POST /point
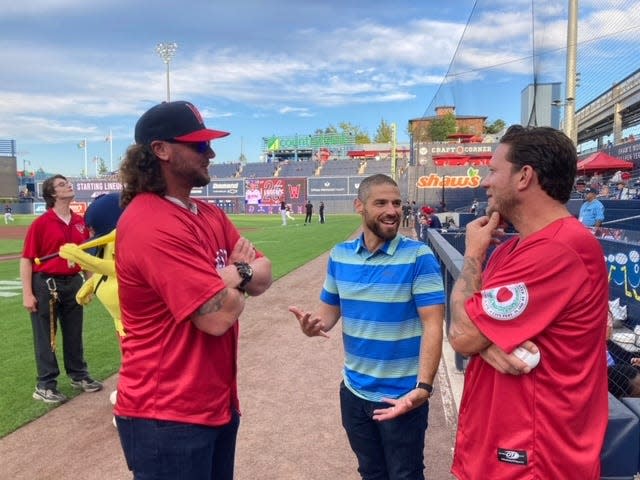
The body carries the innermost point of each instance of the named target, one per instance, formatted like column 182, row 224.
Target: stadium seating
column 337, row 168
column 619, row 457
column 378, row 166
column 304, row 168
column 258, row 170
column 223, row 170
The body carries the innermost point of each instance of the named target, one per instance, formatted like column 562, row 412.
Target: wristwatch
column 425, row 386
column 246, row 273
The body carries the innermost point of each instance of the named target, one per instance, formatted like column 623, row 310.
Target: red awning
column 602, row 161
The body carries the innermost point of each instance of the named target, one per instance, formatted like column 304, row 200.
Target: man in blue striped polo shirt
column 388, row 290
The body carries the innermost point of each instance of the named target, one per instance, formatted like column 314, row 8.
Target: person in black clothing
column 406, row 214
column 321, row 212
column 309, row 211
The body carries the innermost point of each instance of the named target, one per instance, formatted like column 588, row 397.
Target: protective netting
column 509, row 45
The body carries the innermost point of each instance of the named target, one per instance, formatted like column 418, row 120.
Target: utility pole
column 570, row 127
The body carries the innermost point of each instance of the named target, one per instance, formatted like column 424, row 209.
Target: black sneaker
column 49, row 395
column 87, row 385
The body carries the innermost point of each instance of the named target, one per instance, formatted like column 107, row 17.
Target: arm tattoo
column 471, row 277
column 469, row 282
column 214, row 304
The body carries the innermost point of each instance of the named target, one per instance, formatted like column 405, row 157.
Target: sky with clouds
column 74, row 70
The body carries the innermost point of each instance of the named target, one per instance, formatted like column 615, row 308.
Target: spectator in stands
column 622, row 192
column 450, row 225
column 308, row 208
column 592, row 210
column 535, row 291
column 580, row 187
column 432, row 220
column 474, row 207
column 624, row 381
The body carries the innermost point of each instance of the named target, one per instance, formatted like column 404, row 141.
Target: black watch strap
column 246, row 273
column 425, row 386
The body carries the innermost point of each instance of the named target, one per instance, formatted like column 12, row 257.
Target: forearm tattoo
column 470, row 277
column 469, row 282
column 214, row 304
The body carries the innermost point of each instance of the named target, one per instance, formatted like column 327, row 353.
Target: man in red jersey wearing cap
column 546, row 290
column 183, row 271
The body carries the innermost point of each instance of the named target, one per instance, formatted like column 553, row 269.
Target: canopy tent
column 602, row 161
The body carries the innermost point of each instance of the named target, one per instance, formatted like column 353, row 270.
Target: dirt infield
column 290, row 428
column 13, row 232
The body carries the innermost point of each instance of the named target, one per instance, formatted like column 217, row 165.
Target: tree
column 346, row 128
column 102, row 167
column 384, row 134
column 359, row 135
column 495, row 127
column 441, row 127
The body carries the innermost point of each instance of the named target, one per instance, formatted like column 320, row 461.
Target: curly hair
column 140, row 172
column 549, row 152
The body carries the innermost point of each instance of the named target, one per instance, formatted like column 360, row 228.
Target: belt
column 61, row 278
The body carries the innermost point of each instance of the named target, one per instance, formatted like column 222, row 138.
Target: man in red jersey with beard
column 544, row 289
column 183, row 272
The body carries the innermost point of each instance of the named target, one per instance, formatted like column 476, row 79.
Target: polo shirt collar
column 389, row 247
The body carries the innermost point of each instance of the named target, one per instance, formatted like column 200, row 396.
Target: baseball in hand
column 531, row 359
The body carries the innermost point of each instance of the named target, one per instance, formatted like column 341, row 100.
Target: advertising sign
column 328, row 186
column 263, row 195
column 226, row 187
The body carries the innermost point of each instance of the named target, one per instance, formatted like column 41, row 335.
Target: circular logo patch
column 506, row 302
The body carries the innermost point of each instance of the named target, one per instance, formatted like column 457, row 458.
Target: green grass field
column 287, row 247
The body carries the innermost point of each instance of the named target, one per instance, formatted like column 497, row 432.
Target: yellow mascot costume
column 101, row 218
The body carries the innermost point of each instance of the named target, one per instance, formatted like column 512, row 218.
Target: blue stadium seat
column 619, row 457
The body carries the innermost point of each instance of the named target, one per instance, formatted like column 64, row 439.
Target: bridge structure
column 610, row 113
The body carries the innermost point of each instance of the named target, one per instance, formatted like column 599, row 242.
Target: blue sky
column 73, row 69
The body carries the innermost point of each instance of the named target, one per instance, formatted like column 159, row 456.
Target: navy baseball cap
column 174, row 121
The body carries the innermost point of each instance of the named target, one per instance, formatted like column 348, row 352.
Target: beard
column 505, row 207
column 201, row 180
column 383, row 231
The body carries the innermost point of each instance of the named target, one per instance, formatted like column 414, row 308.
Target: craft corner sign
column 471, row 180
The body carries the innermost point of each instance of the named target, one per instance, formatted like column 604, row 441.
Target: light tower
column 166, row 52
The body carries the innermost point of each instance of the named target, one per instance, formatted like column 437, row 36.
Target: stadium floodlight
column 166, row 52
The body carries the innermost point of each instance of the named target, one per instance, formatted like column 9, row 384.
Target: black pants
column 70, row 318
column 307, row 218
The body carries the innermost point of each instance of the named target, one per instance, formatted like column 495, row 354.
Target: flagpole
column 110, row 151
column 86, row 165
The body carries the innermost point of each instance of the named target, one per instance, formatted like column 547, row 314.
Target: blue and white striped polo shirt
column 378, row 295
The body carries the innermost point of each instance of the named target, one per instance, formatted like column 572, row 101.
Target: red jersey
column 47, row 234
column 166, row 261
column 550, row 288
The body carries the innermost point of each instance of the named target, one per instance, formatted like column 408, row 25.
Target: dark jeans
column 161, row 450
column 387, row 450
column 70, row 318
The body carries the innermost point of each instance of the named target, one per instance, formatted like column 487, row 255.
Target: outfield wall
column 457, row 186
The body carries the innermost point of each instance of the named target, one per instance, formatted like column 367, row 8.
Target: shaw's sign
column 433, row 180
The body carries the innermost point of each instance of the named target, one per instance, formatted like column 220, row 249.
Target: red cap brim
column 203, row 135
